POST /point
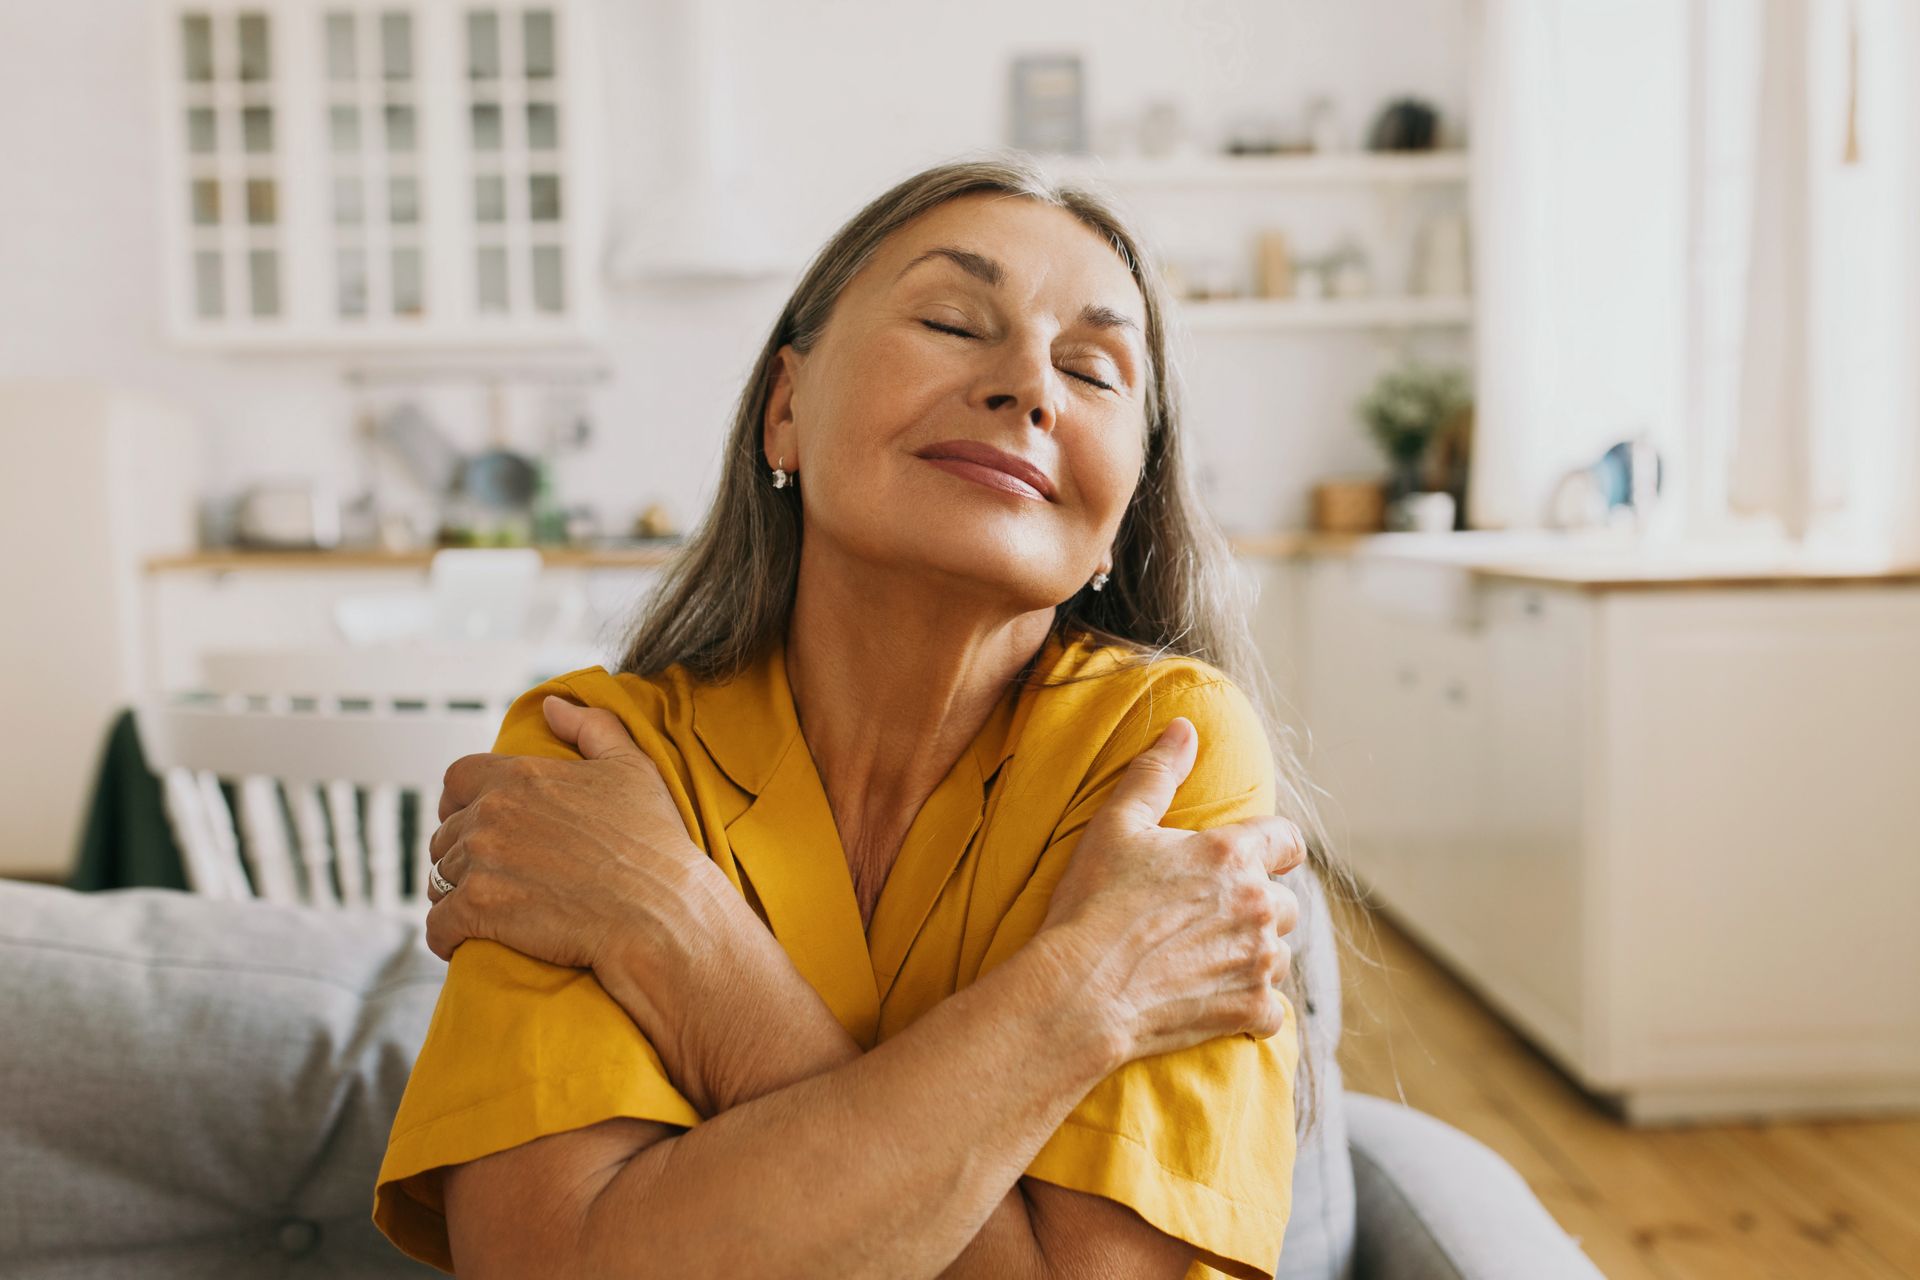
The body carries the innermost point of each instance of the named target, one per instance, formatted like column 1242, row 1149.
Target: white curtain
column 1580, row 229
column 1804, row 418
column 1773, row 470
column 1745, row 289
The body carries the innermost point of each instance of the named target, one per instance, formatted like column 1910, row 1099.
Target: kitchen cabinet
column 1669, row 834
column 340, row 175
column 1272, row 583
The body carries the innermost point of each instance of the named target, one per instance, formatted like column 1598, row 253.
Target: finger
column 1146, row 789
column 466, row 778
column 448, row 833
column 1283, row 847
column 453, row 868
column 1283, row 968
column 595, row 731
column 446, row 926
column 1274, row 1006
column 1286, row 907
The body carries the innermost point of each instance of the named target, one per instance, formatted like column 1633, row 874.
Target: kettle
column 300, row 515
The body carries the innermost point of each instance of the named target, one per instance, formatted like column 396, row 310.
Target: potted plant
column 1405, row 411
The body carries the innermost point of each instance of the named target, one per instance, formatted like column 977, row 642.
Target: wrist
column 670, row 914
column 658, row 963
column 1093, row 1025
column 707, row 983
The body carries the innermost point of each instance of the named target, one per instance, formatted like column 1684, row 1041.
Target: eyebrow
column 985, row 269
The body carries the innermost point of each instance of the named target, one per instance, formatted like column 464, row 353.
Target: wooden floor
column 1797, row 1201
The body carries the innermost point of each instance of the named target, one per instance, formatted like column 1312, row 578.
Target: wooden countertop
column 637, row 556
column 1596, row 578
column 1482, row 555
column 1596, row 563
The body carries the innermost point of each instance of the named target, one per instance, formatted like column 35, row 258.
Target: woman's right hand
column 1180, row 933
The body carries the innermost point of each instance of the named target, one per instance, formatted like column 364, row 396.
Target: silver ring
column 440, row 882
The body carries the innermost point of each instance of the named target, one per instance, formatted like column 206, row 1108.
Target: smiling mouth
column 992, row 468
column 990, row 477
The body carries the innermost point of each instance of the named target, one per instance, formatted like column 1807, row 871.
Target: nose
column 1024, row 381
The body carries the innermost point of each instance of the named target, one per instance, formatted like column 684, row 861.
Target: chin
column 1028, row 575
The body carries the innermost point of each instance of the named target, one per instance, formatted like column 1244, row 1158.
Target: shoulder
column 651, row 707
column 1118, row 703
column 1115, row 693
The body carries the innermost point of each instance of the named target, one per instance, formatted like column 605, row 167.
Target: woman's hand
column 1181, row 931
column 588, row 863
column 567, row 861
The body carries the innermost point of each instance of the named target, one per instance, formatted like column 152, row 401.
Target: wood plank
column 1789, row 1200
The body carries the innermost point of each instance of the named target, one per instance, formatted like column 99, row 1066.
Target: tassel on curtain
column 1850, row 152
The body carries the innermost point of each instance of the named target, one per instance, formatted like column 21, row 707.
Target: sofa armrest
column 1435, row 1204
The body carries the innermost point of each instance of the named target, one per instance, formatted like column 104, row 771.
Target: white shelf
column 1359, row 168
column 1235, row 314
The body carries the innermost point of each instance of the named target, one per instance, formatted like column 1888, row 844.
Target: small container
column 1349, row 506
column 1350, row 277
column 1275, row 265
column 1422, row 513
column 1324, row 129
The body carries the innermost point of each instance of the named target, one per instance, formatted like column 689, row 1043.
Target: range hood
column 701, row 221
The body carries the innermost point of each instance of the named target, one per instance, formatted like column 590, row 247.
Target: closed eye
column 962, row 333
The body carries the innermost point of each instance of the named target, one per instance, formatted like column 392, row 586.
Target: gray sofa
column 194, row 1089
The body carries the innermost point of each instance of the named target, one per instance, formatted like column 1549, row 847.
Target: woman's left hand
column 563, row 860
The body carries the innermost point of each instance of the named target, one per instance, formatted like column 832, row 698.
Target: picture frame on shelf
column 1047, row 110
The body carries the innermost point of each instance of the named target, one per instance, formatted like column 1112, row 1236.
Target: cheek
column 874, row 398
column 1107, row 477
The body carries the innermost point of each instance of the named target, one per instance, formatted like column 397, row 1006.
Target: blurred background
column 1552, row 364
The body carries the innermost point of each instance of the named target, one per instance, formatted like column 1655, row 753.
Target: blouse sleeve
column 1199, row 1142
column 517, row 1049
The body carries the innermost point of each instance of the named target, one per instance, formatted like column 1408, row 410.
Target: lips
column 993, row 467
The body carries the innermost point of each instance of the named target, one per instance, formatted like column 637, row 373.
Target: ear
column 778, row 437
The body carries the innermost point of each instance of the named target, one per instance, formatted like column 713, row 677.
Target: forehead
column 1040, row 248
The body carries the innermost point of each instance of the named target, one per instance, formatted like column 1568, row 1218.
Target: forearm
column 887, row 1164
column 777, row 1031
column 770, row 1030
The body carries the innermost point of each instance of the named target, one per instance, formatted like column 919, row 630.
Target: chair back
column 415, row 671
column 317, row 784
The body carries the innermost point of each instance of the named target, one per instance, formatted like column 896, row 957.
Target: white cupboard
column 340, row 174
column 1673, row 835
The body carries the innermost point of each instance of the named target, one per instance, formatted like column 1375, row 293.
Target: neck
column 892, row 678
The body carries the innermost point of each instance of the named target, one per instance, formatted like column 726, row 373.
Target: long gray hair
column 1173, row 588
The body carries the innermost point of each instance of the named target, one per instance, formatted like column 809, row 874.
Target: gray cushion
column 1439, row 1205
column 194, row 1088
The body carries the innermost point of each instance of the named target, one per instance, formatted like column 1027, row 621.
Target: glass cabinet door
column 359, row 172
column 375, row 166
column 232, row 194
column 516, row 208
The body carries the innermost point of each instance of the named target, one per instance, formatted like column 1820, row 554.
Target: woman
column 905, row 905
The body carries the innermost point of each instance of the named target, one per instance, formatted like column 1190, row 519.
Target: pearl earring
column 780, row 478
column 1099, row 580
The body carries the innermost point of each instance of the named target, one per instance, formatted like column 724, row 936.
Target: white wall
column 92, row 484
column 835, row 100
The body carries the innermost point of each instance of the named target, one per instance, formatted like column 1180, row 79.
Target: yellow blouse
column 1199, row 1142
